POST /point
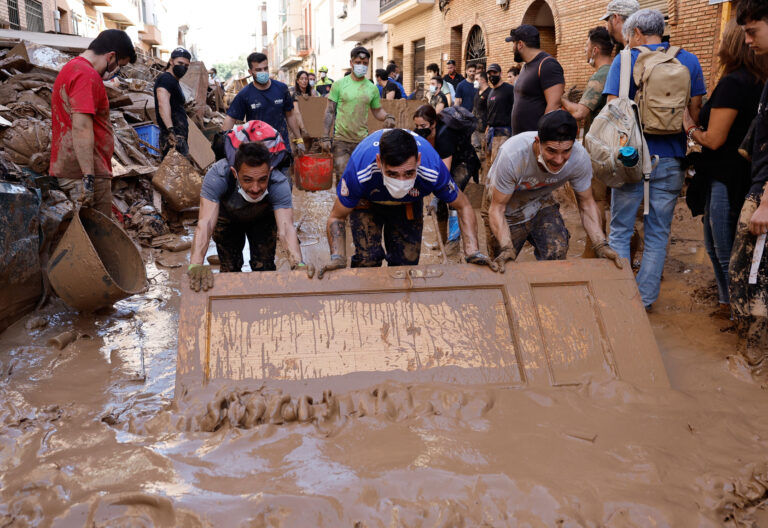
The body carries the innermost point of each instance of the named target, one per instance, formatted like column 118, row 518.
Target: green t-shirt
column 593, row 97
column 353, row 99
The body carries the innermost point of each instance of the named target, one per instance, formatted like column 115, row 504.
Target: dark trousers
column 546, row 232
column 399, row 225
column 230, row 236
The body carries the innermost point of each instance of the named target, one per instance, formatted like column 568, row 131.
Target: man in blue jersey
column 382, row 190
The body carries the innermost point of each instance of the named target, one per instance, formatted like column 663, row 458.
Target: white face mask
column 247, row 198
column 477, row 85
column 359, row 70
column 541, row 161
column 398, row 188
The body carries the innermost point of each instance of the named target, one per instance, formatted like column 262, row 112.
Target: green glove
column 200, row 277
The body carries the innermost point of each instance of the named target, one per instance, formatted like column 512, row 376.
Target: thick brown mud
column 90, row 434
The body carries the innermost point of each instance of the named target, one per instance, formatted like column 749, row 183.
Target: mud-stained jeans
column 749, row 302
column 546, row 232
column 230, row 236
column 102, row 193
column 342, row 150
column 400, row 226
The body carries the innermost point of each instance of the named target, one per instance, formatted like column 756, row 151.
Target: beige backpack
column 663, row 90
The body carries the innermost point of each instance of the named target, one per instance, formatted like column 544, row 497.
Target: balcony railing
column 387, row 4
column 303, row 44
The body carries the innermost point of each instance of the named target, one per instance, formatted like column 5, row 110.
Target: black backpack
column 464, row 123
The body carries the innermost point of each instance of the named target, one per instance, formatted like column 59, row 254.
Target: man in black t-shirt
column 541, row 82
column 451, row 75
column 387, row 89
column 169, row 102
column 501, row 102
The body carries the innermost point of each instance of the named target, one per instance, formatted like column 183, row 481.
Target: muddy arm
column 336, row 229
column 82, row 140
column 499, row 226
column 286, row 231
column 590, row 216
column 328, row 119
column 209, row 213
column 467, row 223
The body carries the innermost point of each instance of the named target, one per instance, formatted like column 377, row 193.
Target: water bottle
column 628, row 156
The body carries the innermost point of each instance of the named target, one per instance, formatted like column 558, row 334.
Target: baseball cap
column 621, row 7
column 523, row 33
column 493, row 67
column 360, row 51
column 557, row 125
column 181, row 52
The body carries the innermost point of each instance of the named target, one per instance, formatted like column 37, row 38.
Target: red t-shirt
column 80, row 89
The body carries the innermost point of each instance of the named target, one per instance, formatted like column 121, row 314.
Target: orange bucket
column 315, row 172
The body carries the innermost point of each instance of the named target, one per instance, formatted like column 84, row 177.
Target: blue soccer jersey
column 363, row 179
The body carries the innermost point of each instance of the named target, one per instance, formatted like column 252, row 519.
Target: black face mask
column 423, row 132
column 494, row 79
column 180, row 70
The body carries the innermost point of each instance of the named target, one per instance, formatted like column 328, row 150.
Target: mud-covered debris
column 36, row 322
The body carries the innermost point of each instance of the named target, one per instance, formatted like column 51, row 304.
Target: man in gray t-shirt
column 521, row 208
column 250, row 200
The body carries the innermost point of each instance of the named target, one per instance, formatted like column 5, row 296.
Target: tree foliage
column 237, row 67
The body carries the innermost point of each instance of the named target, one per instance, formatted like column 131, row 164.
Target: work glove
column 337, row 262
column 325, row 145
column 172, row 138
column 200, row 277
column 603, row 250
column 83, row 191
column 301, row 150
column 389, row 121
column 301, row 265
column 505, row 253
column 481, row 260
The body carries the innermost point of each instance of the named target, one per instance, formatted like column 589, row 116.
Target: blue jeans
column 719, row 229
column 666, row 182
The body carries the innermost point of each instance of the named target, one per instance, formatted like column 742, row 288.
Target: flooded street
column 90, row 434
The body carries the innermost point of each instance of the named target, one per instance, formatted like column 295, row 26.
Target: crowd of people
column 525, row 130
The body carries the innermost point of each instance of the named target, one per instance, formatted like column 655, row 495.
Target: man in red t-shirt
column 82, row 141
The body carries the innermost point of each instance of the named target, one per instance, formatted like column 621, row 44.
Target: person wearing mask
column 382, row 192
column 433, row 70
column 82, row 141
column 247, row 198
column 466, row 90
column 501, row 104
column 169, row 102
column 451, row 75
column 266, row 100
column 312, row 78
column 512, row 74
column 541, row 83
column 724, row 121
column 437, row 99
column 530, row 166
column 346, row 114
column 302, row 87
column 480, row 109
column 392, row 74
column 323, row 85
column 646, row 28
column 396, row 74
column 615, row 15
column 749, row 302
column 387, row 88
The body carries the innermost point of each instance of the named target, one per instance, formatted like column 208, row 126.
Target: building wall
column 694, row 24
column 48, row 7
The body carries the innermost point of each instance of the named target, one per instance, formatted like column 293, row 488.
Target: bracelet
column 691, row 131
column 600, row 245
column 302, row 265
column 298, row 140
column 335, row 257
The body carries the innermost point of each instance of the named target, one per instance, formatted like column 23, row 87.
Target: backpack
column 257, row 131
column 663, row 90
column 464, row 122
column 618, row 125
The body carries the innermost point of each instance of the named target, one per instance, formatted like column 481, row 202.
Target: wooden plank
column 199, row 147
column 541, row 324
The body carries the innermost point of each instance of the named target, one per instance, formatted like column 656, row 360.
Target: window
column 34, row 15
column 13, row 14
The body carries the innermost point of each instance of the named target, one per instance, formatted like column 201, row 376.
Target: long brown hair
column 735, row 53
column 427, row 113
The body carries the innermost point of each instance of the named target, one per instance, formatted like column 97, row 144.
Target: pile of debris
column 27, row 74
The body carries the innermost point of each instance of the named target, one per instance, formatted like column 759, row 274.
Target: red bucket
column 315, row 172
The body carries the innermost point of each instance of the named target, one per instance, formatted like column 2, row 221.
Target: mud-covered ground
column 89, row 435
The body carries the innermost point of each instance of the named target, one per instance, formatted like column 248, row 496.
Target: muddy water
column 89, row 438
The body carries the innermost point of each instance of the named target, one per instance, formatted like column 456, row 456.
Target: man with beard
column 615, row 15
column 541, row 82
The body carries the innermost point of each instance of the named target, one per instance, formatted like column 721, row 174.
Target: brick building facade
column 422, row 32
column 32, row 15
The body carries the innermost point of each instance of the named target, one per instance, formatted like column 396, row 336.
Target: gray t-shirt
column 516, row 171
column 217, row 182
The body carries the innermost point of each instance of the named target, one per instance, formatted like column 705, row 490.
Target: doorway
column 540, row 16
column 419, row 51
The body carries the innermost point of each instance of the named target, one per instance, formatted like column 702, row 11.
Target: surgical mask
column 359, row 70
column 494, row 79
column 398, row 188
column 423, row 132
column 322, row 75
column 111, row 73
column 477, row 84
column 261, row 77
column 432, row 89
column 311, row 82
column 541, row 161
column 247, row 198
column 180, row 70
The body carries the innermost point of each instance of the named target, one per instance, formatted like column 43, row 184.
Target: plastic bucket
column 95, row 263
column 315, row 172
column 149, row 134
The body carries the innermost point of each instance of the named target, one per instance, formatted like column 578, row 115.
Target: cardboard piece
column 196, row 79
column 312, row 110
column 199, row 147
column 555, row 323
